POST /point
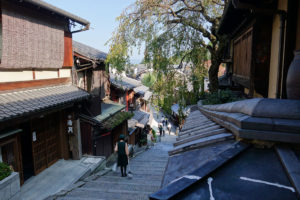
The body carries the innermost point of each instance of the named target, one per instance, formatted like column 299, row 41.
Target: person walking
column 122, row 149
column 169, row 128
column 160, row 127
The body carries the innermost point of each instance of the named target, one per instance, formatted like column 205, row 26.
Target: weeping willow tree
column 171, row 32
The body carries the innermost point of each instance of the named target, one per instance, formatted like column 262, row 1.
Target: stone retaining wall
column 10, row 187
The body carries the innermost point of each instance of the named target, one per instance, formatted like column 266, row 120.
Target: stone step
column 155, row 164
column 212, row 128
column 77, row 198
column 198, row 136
column 127, row 180
column 109, row 194
column 146, row 167
column 136, row 177
column 106, row 186
column 153, row 159
column 140, row 172
column 201, row 142
column 291, row 165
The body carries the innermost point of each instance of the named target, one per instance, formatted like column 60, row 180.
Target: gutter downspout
column 280, row 53
column 86, row 27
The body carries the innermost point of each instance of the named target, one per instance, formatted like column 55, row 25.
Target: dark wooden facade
column 262, row 38
column 38, row 144
column 98, row 142
column 34, row 139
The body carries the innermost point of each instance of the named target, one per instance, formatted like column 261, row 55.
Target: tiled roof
column 139, row 117
column 14, row 104
column 108, row 109
column 141, row 89
column 88, row 51
column 124, row 82
column 147, row 96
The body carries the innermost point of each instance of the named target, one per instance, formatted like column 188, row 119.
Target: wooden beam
column 35, row 83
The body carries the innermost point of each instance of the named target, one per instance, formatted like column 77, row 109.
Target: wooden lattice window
column 242, row 57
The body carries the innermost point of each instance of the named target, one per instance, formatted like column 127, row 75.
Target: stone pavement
column 147, row 172
column 58, row 177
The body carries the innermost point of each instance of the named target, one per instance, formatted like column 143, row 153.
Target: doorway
column 26, row 146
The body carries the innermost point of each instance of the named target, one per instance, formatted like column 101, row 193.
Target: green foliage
column 149, row 80
column 116, row 120
column 5, row 171
column 171, row 31
column 220, row 97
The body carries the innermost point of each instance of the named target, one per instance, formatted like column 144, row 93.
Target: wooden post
column 75, row 141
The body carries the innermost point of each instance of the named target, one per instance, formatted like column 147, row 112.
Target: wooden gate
column 44, row 142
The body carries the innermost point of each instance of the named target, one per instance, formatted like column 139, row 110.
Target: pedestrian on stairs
column 169, row 128
column 122, row 149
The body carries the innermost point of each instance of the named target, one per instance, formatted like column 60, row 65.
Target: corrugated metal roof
column 19, row 103
column 88, row 51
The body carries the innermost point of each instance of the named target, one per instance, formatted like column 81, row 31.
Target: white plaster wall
column 64, row 73
column 282, row 5
column 12, row 76
column 49, row 74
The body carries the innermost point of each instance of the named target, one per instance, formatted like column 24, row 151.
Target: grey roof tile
column 13, row 104
column 88, row 51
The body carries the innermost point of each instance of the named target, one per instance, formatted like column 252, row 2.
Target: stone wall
column 10, row 187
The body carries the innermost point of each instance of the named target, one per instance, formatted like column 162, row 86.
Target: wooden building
column 263, row 36
column 137, row 127
column 102, row 121
column 38, row 105
column 130, row 92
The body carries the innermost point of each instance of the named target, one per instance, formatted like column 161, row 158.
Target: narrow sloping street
column 147, row 172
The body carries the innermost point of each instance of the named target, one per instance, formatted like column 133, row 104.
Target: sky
column 102, row 15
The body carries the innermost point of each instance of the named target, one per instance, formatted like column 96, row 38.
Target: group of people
column 163, row 125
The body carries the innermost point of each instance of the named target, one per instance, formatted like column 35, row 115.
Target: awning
column 25, row 102
column 9, row 133
column 111, row 116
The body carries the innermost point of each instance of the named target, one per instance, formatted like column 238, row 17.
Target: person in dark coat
column 122, row 149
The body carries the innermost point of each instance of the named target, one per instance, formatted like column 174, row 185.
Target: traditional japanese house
column 102, row 121
column 122, row 90
column 137, row 128
column 38, row 103
column 263, row 36
column 130, row 92
column 251, row 145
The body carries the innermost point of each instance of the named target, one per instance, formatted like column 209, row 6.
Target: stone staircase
column 147, row 172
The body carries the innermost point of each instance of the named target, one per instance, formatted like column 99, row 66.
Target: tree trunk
column 213, row 75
